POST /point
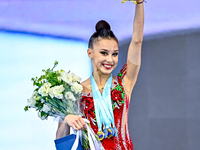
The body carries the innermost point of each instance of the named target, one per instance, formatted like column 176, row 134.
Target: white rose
column 51, row 92
column 56, row 91
column 46, row 108
column 41, row 117
column 70, row 95
column 31, row 102
column 35, row 95
column 67, row 77
column 44, row 89
column 77, row 88
column 75, row 78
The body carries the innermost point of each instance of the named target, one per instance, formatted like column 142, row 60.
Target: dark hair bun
column 102, row 24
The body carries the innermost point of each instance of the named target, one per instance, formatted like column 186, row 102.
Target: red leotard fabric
column 120, row 103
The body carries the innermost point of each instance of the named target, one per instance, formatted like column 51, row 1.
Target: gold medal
column 109, row 133
column 100, row 134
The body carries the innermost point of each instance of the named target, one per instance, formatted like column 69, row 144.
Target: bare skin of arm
column 70, row 120
column 134, row 51
column 73, row 120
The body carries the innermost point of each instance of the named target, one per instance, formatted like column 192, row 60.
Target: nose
column 109, row 58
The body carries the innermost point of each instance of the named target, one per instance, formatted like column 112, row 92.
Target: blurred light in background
column 23, row 56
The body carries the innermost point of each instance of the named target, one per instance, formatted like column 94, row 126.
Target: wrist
column 135, row 1
column 139, row 1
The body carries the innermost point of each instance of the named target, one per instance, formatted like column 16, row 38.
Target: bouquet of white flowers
column 57, row 94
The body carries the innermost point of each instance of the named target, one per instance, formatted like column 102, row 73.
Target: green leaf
column 38, row 98
column 44, row 114
column 56, row 62
column 36, row 89
column 38, row 104
column 26, row 108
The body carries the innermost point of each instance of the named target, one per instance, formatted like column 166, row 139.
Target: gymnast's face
column 104, row 55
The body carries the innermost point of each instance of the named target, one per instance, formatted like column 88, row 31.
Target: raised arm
column 134, row 51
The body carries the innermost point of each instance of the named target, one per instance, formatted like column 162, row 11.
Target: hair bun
column 102, row 24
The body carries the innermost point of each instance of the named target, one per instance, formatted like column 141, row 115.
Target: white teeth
column 108, row 66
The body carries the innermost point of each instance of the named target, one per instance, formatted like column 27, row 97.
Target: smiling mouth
column 107, row 66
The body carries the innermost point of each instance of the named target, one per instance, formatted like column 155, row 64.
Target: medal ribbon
column 102, row 104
